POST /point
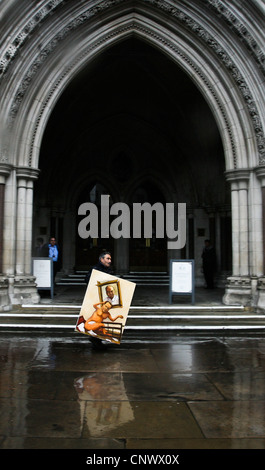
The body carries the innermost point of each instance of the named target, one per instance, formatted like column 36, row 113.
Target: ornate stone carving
column 222, row 54
column 240, row 29
column 170, row 8
column 38, row 16
column 133, row 26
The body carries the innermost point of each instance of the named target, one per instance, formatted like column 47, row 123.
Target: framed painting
column 110, row 291
column 105, row 307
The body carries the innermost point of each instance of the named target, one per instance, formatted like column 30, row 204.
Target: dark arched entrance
column 133, row 116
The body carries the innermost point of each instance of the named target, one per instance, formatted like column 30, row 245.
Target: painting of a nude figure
column 105, row 319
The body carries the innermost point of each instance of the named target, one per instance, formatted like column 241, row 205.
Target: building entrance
column 134, row 126
column 120, row 93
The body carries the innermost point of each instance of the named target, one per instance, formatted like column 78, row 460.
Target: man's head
column 105, row 259
column 110, row 292
column 52, row 241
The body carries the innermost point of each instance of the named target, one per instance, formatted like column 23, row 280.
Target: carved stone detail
column 240, row 29
column 38, row 17
column 169, row 8
column 136, row 27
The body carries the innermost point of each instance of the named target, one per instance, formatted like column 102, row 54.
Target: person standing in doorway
column 54, row 253
column 209, row 263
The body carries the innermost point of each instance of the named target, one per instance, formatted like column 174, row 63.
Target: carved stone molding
column 237, row 175
column 27, row 173
column 222, row 54
column 260, row 172
column 167, row 7
column 42, row 12
column 38, row 16
column 5, row 169
column 240, row 30
column 134, row 26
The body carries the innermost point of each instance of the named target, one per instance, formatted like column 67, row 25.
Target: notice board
column 181, row 278
column 42, row 269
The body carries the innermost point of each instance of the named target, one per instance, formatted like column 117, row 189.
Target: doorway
column 87, row 250
column 148, row 253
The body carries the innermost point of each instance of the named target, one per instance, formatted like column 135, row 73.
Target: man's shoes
column 97, row 344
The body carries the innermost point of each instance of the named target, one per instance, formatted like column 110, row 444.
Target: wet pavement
column 170, row 392
column 202, row 392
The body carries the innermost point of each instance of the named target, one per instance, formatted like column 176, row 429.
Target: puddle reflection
column 103, row 402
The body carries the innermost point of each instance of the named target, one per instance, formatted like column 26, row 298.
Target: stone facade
column 219, row 46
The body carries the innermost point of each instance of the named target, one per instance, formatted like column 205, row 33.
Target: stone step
column 158, row 310
column 141, row 320
column 141, row 278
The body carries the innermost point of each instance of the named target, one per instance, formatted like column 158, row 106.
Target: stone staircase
column 144, row 319
column 142, row 322
column 141, row 278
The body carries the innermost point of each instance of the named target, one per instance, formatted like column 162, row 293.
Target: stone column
column 121, row 250
column 239, row 287
column 21, row 223
column 24, row 290
column 243, row 227
column 260, row 172
column 4, row 297
column 2, row 201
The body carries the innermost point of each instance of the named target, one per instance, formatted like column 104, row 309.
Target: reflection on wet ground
column 183, row 393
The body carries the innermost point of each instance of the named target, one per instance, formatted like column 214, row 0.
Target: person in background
column 209, row 263
column 54, row 253
column 41, row 249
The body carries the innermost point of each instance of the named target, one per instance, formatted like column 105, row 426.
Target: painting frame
column 115, row 286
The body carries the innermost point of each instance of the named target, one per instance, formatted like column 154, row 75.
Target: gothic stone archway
column 59, row 38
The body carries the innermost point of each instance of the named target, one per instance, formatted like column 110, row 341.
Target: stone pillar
column 239, row 286
column 243, row 227
column 21, row 224
column 24, row 288
column 2, row 200
column 121, row 250
column 260, row 172
column 4, row 297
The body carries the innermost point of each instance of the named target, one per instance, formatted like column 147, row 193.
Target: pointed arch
column 69, row 47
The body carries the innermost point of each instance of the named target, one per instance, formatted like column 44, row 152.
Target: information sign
column 42, row 269
column 181, row 278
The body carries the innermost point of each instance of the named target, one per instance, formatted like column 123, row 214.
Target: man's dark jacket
column 100, row 267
